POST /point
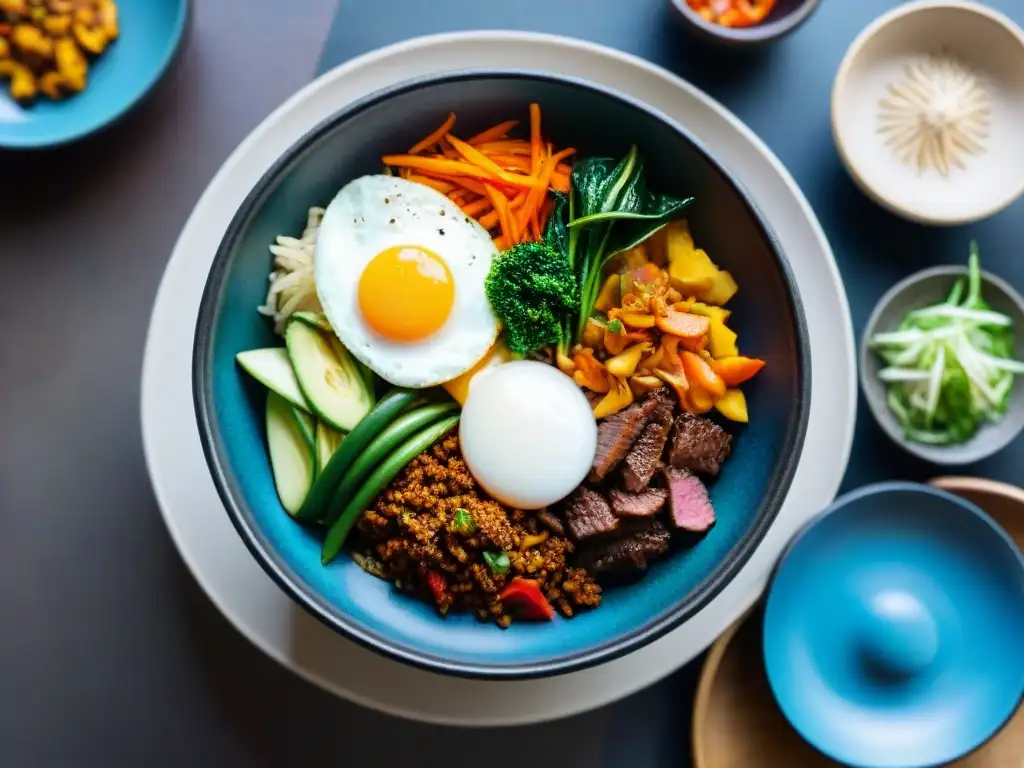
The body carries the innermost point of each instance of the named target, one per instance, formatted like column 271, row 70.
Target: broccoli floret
column 532, row 289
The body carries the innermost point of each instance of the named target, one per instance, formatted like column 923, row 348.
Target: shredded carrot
column 443, row 187
column 444, row 166
column 509, row 147
column 535, row 148
column 500, row 204
column 474, row 209
column 435, row 137
column 495, row 133
column 504, row 182
column 475, row 156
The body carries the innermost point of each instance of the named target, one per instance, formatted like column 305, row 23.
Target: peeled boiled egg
column 527, row 434
column 400, row 272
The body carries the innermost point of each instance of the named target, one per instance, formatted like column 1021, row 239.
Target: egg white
column 373, row 213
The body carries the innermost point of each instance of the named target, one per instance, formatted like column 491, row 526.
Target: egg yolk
column 406, row 293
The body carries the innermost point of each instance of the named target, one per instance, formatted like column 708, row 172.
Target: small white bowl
column 990, row 48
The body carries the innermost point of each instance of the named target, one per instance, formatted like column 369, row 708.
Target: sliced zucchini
column 272, row 368
column 386, row 411
column 378, row 481
column 291, row 457
column 332, row 384
column 396, row 433
column 313, row 320
column 327, row 441
column 320, row 322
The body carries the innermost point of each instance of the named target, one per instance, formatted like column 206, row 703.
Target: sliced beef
column 550, row 520
column 688, row 501
column 629, row 551
column 644, row 458
column 616, row 435
column 699, row 445
column 589, row 514
column 643, row 504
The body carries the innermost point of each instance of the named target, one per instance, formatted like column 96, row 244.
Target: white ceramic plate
column 245, row 594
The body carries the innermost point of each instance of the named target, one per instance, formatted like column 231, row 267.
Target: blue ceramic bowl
column 150, row 33
column 230, row 406
column 892, row 632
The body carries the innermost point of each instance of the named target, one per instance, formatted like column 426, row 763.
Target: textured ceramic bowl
column 784, row 18
column 151, row 31
column 892, row 626
column 919, row 290
column 991, row 46
column 230, row 411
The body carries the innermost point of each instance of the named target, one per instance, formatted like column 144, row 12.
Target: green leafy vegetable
column 949, row 366
column 531, row 289
column 498, row 562
column 609, row 210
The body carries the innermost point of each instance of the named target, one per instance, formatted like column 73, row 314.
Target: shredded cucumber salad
column 949, row 367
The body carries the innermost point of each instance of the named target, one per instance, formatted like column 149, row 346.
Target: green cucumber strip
column 313, row 320
column 400, row 430
column 291, row 457
column 386, row 411
column 326, row 442
column 272, row 368
column 378, row 481
column 307, row 425
column 332, row 384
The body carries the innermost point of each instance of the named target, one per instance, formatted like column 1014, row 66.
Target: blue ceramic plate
column 892, row 633
column 150, row 33
column 229, row 405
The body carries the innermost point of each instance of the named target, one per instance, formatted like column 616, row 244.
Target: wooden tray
column 736, row 722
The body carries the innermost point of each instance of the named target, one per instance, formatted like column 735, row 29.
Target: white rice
column 292, row 288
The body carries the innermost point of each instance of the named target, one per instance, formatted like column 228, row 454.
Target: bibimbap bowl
column 635, row 608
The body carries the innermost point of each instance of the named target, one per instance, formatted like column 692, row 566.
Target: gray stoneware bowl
column 785, row 17
column 931, row 286
column 767, row 316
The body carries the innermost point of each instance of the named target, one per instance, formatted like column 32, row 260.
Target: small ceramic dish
column 151, row 33
column 785, row 17
column 892, row 625
column 926, row 110
column 921, row 289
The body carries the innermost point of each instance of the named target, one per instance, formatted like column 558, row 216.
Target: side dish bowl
column 785, row 17
column 229, row 407
column 151, row 32
column 920, row 290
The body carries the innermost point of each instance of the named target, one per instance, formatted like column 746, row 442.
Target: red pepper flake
column 438, row 587
column 526, row 596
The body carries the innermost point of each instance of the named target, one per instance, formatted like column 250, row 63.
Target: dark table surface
column 110, row 654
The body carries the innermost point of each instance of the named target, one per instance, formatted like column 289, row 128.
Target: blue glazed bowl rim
column 123, row 108
column 839, row 505
column 244, row 520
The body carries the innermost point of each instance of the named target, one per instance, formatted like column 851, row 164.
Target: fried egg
column 400, row 272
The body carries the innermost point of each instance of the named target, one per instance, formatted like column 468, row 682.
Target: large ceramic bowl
column 229, row 407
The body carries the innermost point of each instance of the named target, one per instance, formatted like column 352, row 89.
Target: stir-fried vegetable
column 949, row 367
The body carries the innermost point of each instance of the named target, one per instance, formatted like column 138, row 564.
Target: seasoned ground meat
column 413, row 537
column 699, row 445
